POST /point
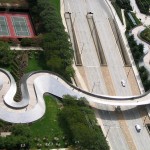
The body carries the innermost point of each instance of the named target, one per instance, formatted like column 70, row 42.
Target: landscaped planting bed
column 145, row 34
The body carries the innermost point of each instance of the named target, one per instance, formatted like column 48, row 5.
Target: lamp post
column 109, row 126
column 94, row 86
column 74, row 19
column 107, row 131
column 82, row 49
column 128, row 73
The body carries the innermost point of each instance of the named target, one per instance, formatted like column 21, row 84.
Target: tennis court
column 16, row 25
column 4, row 31
column 20, row 26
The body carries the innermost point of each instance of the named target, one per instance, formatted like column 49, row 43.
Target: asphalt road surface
column 93, row 72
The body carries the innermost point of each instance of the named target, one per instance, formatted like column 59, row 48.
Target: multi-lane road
column 106, row 79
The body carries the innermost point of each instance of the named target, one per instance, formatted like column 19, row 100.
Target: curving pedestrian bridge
column 48, row 82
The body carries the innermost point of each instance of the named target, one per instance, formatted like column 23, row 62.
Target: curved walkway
column 136, row 32
column 144, row 18
column 47, row 82
column 146, row 59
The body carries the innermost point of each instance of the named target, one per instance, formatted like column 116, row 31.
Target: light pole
column 74, row 19
column 82, row 49
column 128, row 73
column 107, row 132
column 94, row 86
column 109, row 126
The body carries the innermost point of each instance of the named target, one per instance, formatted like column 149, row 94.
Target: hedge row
column 79, row 124
column 57, row 49
column 144, row 77
column 145, row 34
column 137, row 52
column 143, row 6
column 124, row 4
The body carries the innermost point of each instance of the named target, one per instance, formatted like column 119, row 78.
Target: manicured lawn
column 33, row 64
column 146, row 35
column 129, row 22
column 48, row 126
column 36, row 62
column 138, row 22
column 56, row 4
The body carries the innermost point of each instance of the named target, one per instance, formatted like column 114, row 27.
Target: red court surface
column 18, row 25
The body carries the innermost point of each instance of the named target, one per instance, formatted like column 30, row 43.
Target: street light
column 109, row 126
column 94, row 85
column 107, row 132
column 74, row 19
column 128, row 73
column 82, row 49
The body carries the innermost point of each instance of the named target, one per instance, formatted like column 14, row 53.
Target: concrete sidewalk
column 144, row 18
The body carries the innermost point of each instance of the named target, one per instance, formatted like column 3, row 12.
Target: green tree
column 79, row 123
column 55, row 64
column 6, row 54
column 21, row 130
column 26, row 42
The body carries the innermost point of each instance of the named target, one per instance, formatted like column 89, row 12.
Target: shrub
column 145, row 34
column 11, row 41
column 26, row 42
column 124, row 4
column 57, row 49
column 143, row 6
column 79, row 124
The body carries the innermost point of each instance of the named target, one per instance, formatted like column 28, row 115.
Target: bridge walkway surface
column 58, row 87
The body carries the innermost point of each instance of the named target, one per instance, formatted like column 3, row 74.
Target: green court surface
column 3, row 27
column 20, row 26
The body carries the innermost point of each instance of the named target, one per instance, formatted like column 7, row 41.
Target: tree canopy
column 79, row 123
column 57, row 49
column 6, row 54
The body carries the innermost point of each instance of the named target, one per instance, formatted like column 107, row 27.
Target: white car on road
column 123, row 83
column 138, row 127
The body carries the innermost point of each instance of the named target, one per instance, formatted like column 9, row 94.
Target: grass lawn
column 146, row 35
column 129, row 22
column 48, row 126
column 56, row 4
column 36, row 62
column 138, row 22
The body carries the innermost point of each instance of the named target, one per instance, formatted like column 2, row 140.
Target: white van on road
column 138, row 127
